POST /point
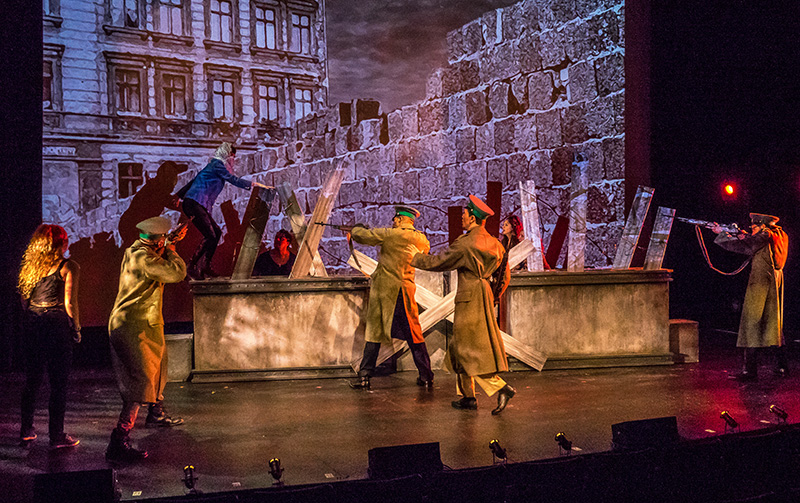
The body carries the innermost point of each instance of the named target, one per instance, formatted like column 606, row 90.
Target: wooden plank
column 633, row 227
column 310, row 243
column 297, row 220
column 255, row 219
column 576, row 247
column 438, row 308
column 494, row 200
column 530, row 224
column 658, row 238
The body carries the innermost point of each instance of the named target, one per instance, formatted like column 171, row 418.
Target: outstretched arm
column 447, row 260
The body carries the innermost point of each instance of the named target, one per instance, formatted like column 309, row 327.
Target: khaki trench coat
column 393, row 275
column 136, row 326
column 761, row 324
column 476, row 347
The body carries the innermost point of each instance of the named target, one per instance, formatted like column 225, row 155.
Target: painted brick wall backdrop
column 524, row 88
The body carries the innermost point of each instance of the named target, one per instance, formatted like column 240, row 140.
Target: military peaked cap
column 155, row 226
column 478, row 208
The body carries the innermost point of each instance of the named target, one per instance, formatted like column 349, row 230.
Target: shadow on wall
column 100, row 257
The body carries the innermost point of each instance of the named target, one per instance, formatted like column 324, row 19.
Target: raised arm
column 222, row 172
column 447, row 260
column 746, row 244
column 370, row 237
column 169, row 268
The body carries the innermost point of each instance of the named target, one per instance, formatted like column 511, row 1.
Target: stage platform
column 321, row 429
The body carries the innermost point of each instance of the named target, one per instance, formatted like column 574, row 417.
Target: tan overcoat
column 761, row 324
column 136, row 326
column 476, row 347
column 393, row 275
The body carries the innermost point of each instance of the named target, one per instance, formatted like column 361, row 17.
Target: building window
column 268, row 102
column 170, row 16
column 128, row 90
column 130, row 178
column 51, row 7
column 301, row 34
column 221, row 20
column 265, row 28
column 223, row 99
column 173, row 94
column 90, row 185
column 47, row 87
column 302, row 103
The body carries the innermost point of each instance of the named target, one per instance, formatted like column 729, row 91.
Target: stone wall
column 525, row 87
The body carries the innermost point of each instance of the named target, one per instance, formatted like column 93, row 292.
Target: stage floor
column 321, row 429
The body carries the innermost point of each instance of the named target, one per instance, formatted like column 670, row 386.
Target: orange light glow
column 729, row 189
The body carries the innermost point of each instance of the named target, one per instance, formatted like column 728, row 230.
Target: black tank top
column 49, row 291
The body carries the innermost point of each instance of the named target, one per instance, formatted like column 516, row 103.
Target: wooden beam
column 297, row 219
column 255, row 219
column 310, row 243
column 633, row 227
column 658, row 238
column 576, row 249
column 557, row 241
column 439, row 308
column 530, row 224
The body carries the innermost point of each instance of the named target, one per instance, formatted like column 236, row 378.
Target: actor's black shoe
column 427, row 384
column 466, row 403
column 120, row 450
column 744, row 376
column 503, row 396
column 62, row 441
column 361, row 383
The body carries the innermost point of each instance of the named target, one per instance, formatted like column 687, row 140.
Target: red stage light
column 729, row 189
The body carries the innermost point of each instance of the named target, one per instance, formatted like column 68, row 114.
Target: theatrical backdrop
column 420, row 102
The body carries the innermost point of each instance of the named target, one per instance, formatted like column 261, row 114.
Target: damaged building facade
column 135, row 89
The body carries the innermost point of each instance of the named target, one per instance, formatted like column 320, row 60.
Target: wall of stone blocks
column 524, row 89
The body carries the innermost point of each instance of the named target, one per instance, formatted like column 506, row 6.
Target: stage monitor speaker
column 644, row 434
column 401, row 460
column 91, row 486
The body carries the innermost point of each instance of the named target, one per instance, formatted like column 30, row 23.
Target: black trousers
column 48, row 347
column 201, row 260
column 400, row 330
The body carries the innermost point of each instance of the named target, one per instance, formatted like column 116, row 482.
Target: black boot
column 361, row 383
column 157, row 416
column 750, row 368
column 466, row 403
column 503, row 396
column 119, row 448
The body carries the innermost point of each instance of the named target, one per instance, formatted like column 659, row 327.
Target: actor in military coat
column 136, row 329
column 761, row 323
column 476, row 350
column 392, row 311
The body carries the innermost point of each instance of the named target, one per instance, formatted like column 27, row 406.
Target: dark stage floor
column 322, row 430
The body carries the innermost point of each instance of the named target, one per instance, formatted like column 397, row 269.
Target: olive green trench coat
column 393, row 276
column 761, row 324
column 476, row 347
column 136, row 326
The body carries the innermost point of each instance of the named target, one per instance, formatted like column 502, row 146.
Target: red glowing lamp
column 729, row 189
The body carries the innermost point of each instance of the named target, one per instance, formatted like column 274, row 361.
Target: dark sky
column 386, row 49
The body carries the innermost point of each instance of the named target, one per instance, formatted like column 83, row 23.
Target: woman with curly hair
column 512, row 235
column 48, row 284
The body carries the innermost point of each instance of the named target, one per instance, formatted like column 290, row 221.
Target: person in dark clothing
column 279, row 260
column 199, row 197
column 48, row 284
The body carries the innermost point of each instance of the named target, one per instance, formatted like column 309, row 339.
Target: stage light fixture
column 276, row 471
column 190, row 479
column 729, row 189
column 730, row 422
column 564, row 445
column 779, row 413
column 498, row 453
